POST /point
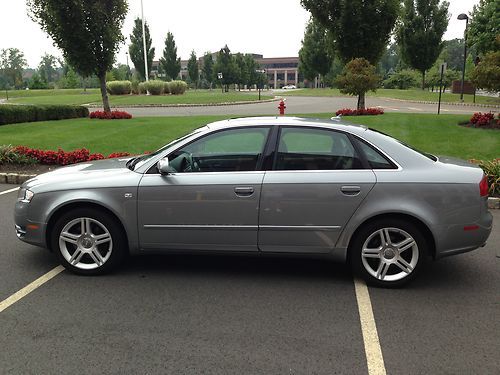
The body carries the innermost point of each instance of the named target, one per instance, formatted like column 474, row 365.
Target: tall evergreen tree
column 314, row 59
column 242, row 73
column 193, row 69
column 208, row 68
column 252, row 77
column 170, row 63
column 420, row 33
column 225, row 64
column 136, row 48
column 89, row 33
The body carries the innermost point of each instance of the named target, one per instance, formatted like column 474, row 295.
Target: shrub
column 482, row 119
column 177, row 87
column 359, row 112
column 155, row 87
column 113, row 115
column 61, row 157
column 402, row 80
column 142, row 88
column 8, row 155
column 11, row 113
column 135, row 87
column 119, row 87
column 491, row 170
column 166, row 87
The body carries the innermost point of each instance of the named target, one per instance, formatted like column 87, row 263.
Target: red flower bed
column 113, row 115
column 483, row 119
column 359, row 112
column 61, row 157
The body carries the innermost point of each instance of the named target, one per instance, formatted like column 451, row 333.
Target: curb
column 18, row 179
column 444, row 103
column 184, row 105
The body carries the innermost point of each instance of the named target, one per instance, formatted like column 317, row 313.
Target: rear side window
column 315, row 149
column 375, row 159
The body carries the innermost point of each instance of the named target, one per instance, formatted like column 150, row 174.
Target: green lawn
column 411, row 94
column 78, row 96
column 432, row 133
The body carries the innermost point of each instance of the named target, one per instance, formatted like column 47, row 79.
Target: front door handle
column 243, row 191
column 350, row 190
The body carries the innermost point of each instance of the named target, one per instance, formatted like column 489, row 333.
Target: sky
column 273, row 28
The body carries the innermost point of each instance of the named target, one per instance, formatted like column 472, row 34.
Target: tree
column 208, row 68
column 12, row 63
column 242, row 73
column 420, row 33
column 484, row 28
column 47, row 68
column 87, row 31
column 359, row 28
column 225, row 64
column 136, row 48
column 453, row 53
column 170, row 63
column 193, row 69
column 37, row 82
column 121, row 72
column 314, row 59
column 252, row 77
column 486, row 75
column 357, row 78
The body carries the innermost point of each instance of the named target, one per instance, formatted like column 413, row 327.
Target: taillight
column 483, row 187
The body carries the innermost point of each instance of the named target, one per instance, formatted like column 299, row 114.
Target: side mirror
column 164, row 168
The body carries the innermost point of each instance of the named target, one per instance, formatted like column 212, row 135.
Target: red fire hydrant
column 282, row 107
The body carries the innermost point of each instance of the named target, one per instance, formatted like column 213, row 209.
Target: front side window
column 315, row 149
column 229, row 150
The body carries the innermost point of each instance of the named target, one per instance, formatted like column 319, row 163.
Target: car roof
column 336, row 123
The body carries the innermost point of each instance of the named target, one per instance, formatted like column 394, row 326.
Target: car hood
column 93, row 174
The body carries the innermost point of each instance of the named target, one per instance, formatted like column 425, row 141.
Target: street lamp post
column 462, row 17
column 128, row 68
column 144, row 46
column 259, row 81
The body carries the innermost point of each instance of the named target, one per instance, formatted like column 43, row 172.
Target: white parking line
column 29, row 288
column 373, row 351
column 9, row 191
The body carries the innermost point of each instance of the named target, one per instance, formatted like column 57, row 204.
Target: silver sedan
column 264, row 186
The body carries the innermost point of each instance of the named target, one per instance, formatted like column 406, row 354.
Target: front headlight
column 25, row 195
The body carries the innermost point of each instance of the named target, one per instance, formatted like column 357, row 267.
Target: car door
column 210, row 200
column 317, row 182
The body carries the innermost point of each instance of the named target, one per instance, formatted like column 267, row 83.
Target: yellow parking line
column 373, row 351
column 29, row 288
column 9, row 191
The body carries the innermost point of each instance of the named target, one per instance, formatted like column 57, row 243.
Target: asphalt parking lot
column 239, row 315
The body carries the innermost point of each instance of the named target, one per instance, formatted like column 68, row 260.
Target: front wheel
column 388, row 253
column 88, row 241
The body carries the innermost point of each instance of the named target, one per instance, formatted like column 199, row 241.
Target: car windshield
column 138, row 161
column 426, row 154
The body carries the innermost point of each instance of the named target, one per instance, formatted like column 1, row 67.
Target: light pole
column 259, row 81
column 220, row 76
column 128, row 68
column 462, row 17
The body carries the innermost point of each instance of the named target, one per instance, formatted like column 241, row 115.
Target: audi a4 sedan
column 263, row 186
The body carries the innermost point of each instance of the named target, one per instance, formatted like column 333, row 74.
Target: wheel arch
column 426, row 232
column 61, row 210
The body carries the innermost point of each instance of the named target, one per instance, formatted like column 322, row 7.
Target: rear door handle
column 350, row 190
column 243, row 191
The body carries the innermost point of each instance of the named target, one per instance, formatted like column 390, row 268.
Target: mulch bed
column 27, row 169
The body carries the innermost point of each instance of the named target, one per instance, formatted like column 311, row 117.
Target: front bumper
column 26, row 230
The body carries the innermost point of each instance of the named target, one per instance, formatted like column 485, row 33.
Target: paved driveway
column 300, row 105
column 239, row 315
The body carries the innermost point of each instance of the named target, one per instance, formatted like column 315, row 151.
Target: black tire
column 112, row 251
column 386, row 256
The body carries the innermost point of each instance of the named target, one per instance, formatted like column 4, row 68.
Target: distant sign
column 219, row 75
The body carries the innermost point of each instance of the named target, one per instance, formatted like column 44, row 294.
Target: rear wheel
column 88, row 241
column 388, row 253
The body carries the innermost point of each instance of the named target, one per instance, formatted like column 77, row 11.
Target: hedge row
column 155, row 87
column 11, row 113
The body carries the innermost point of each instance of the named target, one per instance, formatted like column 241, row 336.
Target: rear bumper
column 457, row 239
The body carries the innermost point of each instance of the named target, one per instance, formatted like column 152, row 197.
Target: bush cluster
column 483, row 119
column 113, row 115
column 12, row 113
column 155, row 87
column 61, row 157
column 402, row 80
column 119, row 87
column 177, row 87
column 8, row 155
column 359, row 112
